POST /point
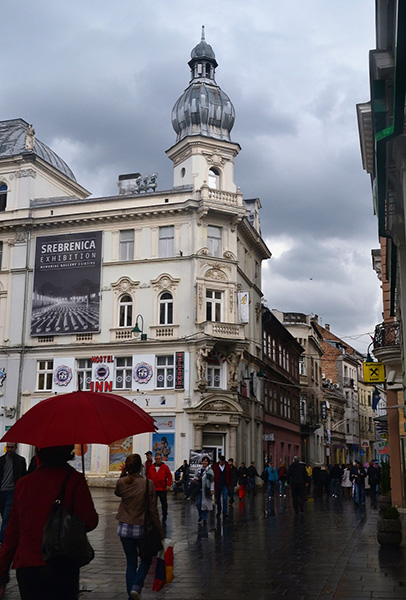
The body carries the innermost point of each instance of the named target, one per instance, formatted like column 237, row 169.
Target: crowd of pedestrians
column 139, row 488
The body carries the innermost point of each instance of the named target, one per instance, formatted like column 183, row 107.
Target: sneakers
column 135, row 595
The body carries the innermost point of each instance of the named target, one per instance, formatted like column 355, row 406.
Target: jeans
column 251, row 484
column 222, row 494
column 162, row 495
column 202, row 513
column 59, row 582
column 282, row 489
column 335, row 486
column 134, row 575
column 231, row 494
column 359, row 494
column 6, row 500
column 270, row 487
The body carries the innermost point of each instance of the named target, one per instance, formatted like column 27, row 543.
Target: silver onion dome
column 203, row 108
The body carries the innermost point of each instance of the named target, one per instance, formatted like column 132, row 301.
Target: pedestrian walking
column 132, row 488
column 34, row 497
column 161, row 475
column 272, row 478
column 234, row 480
column 357, row 476
column 346, row 483
column 205, row 480
column 222, row 484
column 298, row 481
column 309, row 472
column 148, row 463
column 282, row 476
column 12, row 467
column 242, row 480
column 185, row 470
column 324, row 480
column 336, row 475
column 374, row 478
column 252, row 473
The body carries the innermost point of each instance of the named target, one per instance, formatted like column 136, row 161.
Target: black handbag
column 150, row 543
column 64, row 537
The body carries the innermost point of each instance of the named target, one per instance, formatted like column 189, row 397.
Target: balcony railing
column 224, row 330
column 387, row 334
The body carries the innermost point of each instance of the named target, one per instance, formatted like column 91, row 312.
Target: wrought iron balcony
column 387, row 334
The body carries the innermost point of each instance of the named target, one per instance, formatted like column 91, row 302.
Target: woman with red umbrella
column 33, row 499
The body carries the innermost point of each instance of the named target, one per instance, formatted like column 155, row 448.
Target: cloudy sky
column 98, row 81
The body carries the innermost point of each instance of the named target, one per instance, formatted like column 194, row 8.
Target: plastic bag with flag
column 164, row 566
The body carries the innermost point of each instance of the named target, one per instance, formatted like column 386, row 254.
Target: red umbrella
column 80, row 418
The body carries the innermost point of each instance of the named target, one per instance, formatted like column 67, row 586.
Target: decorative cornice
column 125, row 285
column 26, row 173
column 164, row 282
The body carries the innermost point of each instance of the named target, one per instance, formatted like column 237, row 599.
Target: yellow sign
column 374, row 372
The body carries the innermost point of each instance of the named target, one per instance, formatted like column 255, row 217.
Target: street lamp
column 137, row 329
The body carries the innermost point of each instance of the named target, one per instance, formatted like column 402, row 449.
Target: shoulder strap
column 146, row 503
column 61, row 493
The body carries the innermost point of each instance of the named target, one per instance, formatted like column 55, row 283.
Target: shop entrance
column 214, row 444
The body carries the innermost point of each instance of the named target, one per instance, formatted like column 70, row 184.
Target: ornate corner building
column 155, row 295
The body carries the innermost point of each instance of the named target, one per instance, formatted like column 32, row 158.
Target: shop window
column 45, row 372
column 125, row 311
column 214, row 305
column 126, row 244
column 123, row 373
column 166, row 309
column 165, row 371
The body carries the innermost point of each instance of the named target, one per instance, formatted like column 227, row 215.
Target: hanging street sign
column 374, row 372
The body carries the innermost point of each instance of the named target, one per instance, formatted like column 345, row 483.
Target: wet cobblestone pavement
column 329, row 552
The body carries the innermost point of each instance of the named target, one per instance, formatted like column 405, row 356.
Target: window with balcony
column 214, row 241
column 214, row 305
column 214, row 178
column 125, row 311
column 123, row 373
column 166, row 309
column 45, row 372
column 126, row 251
column 166, row 241
column 165, row 371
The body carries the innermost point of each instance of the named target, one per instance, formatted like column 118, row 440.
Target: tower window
column 3, row 197
column 214, row 178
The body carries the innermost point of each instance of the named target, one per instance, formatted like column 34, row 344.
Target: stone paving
column 327, row 553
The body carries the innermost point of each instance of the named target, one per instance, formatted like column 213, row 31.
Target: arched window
column 214, row 178
column 166, row 309
column 3, row 196
column 125, row 311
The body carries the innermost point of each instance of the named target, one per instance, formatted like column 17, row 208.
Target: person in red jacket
column 33, row 499
column 161, row 475
column 222, row 484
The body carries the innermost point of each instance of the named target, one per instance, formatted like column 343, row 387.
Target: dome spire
column 203, row 109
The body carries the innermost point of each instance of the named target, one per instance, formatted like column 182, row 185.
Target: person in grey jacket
column 12, row 467
column 131, row 488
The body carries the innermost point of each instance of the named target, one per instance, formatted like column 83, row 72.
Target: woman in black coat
column 242, row 473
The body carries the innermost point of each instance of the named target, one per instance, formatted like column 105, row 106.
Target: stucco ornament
column 201, row 362
column 125, row 285
column 30, row 138
column 233, row 360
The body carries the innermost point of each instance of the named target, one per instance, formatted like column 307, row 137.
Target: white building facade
column 78, row 273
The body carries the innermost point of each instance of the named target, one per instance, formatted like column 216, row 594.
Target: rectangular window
column 214, row 241
column 214, row 302
column 84, row 372
column 166, row 241
column 123, row 373
column 126, row 244
column 164, row 371
column 45, row 372
column 213, row 376
column 1, row 255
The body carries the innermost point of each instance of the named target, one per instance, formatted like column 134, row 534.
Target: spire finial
column 203, row 38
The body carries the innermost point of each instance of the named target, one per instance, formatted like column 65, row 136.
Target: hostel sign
column 374, row 372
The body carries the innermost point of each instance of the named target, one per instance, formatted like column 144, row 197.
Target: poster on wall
column 77, row 461
column 165, row 444
column 66, row 289
column 118, row 453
